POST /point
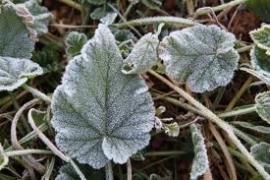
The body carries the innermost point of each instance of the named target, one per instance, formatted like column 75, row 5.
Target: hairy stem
column 26, row 152
column 37, row 93
column 214, row 118
column 174, row 21
column 74, row 5
column 109, row 171
column 238, row 112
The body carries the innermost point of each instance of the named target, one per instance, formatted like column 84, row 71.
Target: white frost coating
column 202, row 56
column 15, row 72
column 103, row 117
column 261, row 153
column 200, row 163
column 74, row 43
column 143, row 56
column 263, row 105
column 261, row 37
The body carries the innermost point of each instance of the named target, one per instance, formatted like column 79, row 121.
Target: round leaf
column 15, row 72
column 202, row 56
column 74, row 42
column 263, row 105
column 99, row 113
column 261, row 152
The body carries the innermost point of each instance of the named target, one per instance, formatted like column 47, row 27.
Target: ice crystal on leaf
column 202, row 56
column 263, row 105
column 99, row 113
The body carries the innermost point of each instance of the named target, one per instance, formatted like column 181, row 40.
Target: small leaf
column 35, row 16
column 200, row 162
column 202, row 56
column 143, row 56
column 109, row 18
column 172, row 129
column 67, row 173
column 96, row 2
column 14, row 39
column 261, row 152
column 99, row 13
column 99, row 113
column 263, row 105
column 261, row 8
column 3, row 158
column 260, row 62
column 261, row 37
column 15, row 72
column 74, row 42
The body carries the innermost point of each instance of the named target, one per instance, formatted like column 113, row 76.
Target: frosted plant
column 200, row 162
column 143, row 56
column 99, row 113
column 263, row 105
column 74, row 43
column 261, row 153
column 261, row 37
column 201, row 56
column 14, row 37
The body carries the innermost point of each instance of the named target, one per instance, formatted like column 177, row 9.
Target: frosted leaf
column 261, row 8
column 261, row 152
column 96, row 2
column 15, row 72
column 172, row 129
column 35, row 16
column 261, row 37
column 263, row 105
column 99, row 113
column 260, row 62
column 3, row 158
column 109, row 18
column 143, row 56
column 202, row 56
column 200, row 162
column 67, row 172
column 14, row 39
column 74, row 42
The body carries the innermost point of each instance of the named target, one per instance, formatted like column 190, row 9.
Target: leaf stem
column 26, row 152
column 238, row 112
column 37, row 93
column 109, row 171
column 74, row 5
column 77, row 169
column 214, row 118
column 174, row 21
column 204, row 11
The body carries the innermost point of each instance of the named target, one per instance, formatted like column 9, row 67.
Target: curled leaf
column 200, row 162
column 14, row 37
column 99, row 113
column 263, row 105
column 143, row 56
column 202, row 56
column 15, row 72
column 261, row 37
column 261, row 152
column 74, row 42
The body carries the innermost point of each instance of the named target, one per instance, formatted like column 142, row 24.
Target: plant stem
column 129, row 170
column 204, row 11
column 214, row 118
column 37, row 93
column 238, row 95
column 77, row 169
column 238, row 112
column 73, row 5
column 109, row 171
column 174, row 21
column 26, row 152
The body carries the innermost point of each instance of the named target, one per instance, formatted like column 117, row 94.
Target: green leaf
column 35, row 16
column 261, row 152
column 109, row 18
column 261, row 8
column 67, row 173
column 200, row 162
column 14, row 38
column 15, row 72
column 96, row 2
column 143, row 56
column 3, row 158
column 263, row 105
column 74, row 42
column 261, row 37
column 260, row 63
column 202, row 56
column 99, row 13
column 171, row 129
column 99, row 113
